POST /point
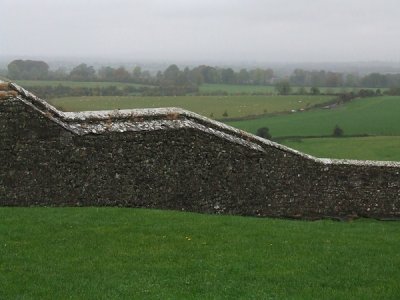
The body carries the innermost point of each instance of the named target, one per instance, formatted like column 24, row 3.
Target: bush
column 315, row 91
column 337, row 131
column 264, row 133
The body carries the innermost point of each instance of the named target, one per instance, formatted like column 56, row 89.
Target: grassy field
column 74, row 84
column 364, row 148
column 205, row 88
column 214, row 106
column 235, row 89
column 115, row 253
column 374, row 116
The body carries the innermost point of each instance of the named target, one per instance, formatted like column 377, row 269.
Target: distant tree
column 28, row 69
column 283, row 87
column 225, row 114
column 59, row 74
column 352, row 80
column 298, row 77
column 375, row 80
column 171, row 75
column 121, row 75
column 337, row 131
column 243, row 77
column 83, row 72
column 315, row 91
column 209, row 74
column 301, row 91
column 106, row 74
column 228, row 76
column 264, row 133
column 333, row 79
column 363, row 93
column 137, row 74
column 261, row 77
column 394, row 91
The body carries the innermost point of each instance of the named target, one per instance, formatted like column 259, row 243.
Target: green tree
column 28, row 69
column 83, row 72
column 171, row 75
column 337, row 131
column 315, row 91
column 264, row 133
column 228, row 76
column 283, row 87
column 137, row 74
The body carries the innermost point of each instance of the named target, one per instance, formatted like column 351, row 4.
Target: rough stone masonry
column 174, row 159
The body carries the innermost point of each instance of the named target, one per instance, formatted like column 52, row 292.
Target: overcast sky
column 235, row 30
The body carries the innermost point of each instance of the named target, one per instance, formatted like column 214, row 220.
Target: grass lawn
column 374, row 116
column 73, row 84
column 114, row 253
column 364, row 148
column 215, row 106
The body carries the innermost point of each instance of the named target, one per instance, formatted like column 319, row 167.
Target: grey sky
column 250, row 30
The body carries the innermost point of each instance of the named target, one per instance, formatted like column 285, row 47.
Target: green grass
column 364, row 148
column 236, row 106
column 74, row 84
column 374, row 116
column 234, row 89
column 115, row 253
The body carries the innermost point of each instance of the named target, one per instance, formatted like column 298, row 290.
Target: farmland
column 364, row 148
column 214, row 106
column 249, row 89
column 374, row 116
column 104, row 253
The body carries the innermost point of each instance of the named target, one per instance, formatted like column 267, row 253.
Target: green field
column 204, row 88
column 214, row 106
column 74, row 84
column 374, row 116
column 248, row 89
column 364, row 148
column 234, row 89
column 116, row 253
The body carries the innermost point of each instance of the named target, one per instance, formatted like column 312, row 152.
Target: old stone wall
column 173, row 159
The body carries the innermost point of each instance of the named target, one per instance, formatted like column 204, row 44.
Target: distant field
column 209, row 106
column 116, row 253
column 233, row 89
column 363, row 148
column 374, row 116
column 74, row 84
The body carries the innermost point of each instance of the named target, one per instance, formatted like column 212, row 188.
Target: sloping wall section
column 175, row 159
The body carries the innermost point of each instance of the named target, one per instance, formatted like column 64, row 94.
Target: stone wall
column 174, row 159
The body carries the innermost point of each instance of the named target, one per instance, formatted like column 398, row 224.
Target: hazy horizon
column 211, row 31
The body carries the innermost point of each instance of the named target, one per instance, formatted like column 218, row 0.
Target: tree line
column 191, row 78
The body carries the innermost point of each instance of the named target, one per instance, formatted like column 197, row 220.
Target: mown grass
column 374, row 116
column 74, row 84
column 114, row 253
column 214, row 106
column 363, row 148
